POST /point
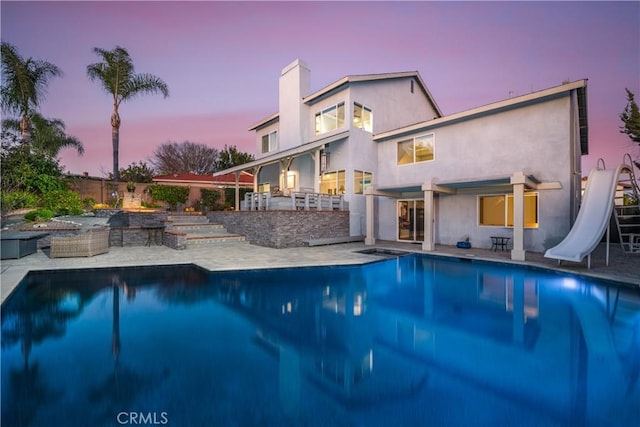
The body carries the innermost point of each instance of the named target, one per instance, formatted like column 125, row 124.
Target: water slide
column 593, row 217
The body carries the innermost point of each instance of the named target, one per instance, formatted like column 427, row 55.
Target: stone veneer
column 283, row 229
column 127, row 229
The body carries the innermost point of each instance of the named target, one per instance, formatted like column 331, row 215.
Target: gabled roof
column 580, row 86
column 193, row 178
column 343, row 84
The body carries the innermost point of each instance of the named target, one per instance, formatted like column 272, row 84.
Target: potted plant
column 131, row 186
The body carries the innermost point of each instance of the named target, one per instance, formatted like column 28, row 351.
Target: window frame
column 272, row 141
column 359, row 185
column 507, row 200
column 340, row 184
column 412, row 148
column 364, row 123
column 320, row 127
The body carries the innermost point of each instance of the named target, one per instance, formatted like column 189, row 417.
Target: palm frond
column 24, row 81
column 143, row 84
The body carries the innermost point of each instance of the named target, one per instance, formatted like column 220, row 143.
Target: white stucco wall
column 392, row 105
column 265, row 130
column 535, row 139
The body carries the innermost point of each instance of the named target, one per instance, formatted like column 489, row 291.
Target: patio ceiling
column 463, row 184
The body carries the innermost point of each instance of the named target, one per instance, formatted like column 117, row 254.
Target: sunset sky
column 222, row 61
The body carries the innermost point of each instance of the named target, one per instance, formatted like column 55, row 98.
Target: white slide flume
column 593, row 217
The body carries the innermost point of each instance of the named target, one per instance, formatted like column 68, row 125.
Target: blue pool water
column 407, row 341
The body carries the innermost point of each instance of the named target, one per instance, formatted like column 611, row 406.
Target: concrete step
column 214, row 239
column 187, row 227
column 197, row 218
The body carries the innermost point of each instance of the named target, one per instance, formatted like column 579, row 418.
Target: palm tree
column 24, row 83
column 116, row 73
column 47, row 136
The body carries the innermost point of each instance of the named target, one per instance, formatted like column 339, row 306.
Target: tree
column 30, row 180
column 230, row 157
column 48, row 136
column 169, row 193
column 631, row 119
column 24, row 84
column 23, row 170
column 184, row 157
column 117, row 75
column 137, row 172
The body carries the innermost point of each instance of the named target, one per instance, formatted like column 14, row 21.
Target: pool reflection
column 413, row 340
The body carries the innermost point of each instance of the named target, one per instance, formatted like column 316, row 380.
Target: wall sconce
column 324, row 159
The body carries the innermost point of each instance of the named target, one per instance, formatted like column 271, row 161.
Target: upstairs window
column 269, row 142
column 362, row 117
column 330, row 119
column 418, row 149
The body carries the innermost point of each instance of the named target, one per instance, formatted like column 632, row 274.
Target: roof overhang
column 266, row 121
column 290, row 153
column 487, row 183
column 579, row 86
column 343, row 82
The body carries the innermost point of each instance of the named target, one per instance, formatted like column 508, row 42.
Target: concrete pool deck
column 242, row 255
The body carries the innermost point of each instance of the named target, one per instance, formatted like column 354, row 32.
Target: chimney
column 295, row 83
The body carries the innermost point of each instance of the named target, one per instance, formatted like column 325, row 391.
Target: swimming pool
column 407, row 341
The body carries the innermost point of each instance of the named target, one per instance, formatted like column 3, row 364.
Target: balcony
column 295, row 201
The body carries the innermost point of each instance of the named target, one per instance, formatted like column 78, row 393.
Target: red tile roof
column 245, row 178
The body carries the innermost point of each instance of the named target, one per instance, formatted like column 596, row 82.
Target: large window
column 269, row 142
column 361, row 181
column 497, row 210
column 332, row 182
column 330, row 119
column 418, row 149
column 362, row 117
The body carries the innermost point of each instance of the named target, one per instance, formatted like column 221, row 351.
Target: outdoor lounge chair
column 93, row 242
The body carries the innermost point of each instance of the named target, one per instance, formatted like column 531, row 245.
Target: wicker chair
column 93, row 242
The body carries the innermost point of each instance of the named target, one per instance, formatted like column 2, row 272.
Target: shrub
column 39, row 215
column 18, row 200
column 170, row 194
column 88, row 203
column 209, row 199
column 230, row 196
column 63, row 202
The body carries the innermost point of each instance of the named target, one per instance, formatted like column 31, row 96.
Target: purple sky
column 222, row 61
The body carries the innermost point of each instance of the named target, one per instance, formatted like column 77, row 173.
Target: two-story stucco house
column 410, row 173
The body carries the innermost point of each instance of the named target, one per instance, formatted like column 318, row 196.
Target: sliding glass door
column 411, row 220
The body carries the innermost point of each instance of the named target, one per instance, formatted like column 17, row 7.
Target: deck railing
column 296, row 200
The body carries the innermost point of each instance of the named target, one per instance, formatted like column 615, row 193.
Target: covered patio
column 289, row 194
column 518, row 184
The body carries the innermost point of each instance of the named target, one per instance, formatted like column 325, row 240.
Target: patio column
column 518, row 181
column 315, row 155
column 237, row 198
column 256, row 172
column 369, row 239
column 428, row 243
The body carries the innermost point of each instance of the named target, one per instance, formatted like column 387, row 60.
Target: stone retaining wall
column 283, row 229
